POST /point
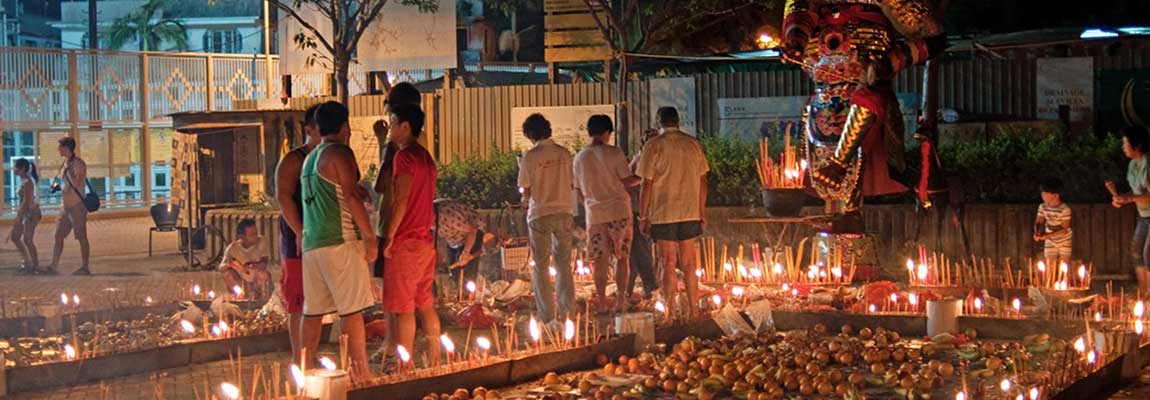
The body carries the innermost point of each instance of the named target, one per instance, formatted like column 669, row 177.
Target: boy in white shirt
column 672, row 204
column 545, row 181
column 601, row 179
column 245, row 262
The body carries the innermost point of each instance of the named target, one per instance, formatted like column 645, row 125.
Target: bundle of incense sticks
column 937, row 270
column 788, row 173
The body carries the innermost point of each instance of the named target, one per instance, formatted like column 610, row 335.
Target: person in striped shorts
column 1052, row 224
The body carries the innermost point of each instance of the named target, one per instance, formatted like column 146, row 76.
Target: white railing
column 80, row 86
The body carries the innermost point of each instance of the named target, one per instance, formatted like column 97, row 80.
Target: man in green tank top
column 338, row 242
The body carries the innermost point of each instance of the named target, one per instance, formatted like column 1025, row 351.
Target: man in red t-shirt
column 410, row 251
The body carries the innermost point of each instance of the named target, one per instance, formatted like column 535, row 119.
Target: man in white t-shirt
column 245, row 261
column 601, row 179
column 672, row 203
column 545, row 181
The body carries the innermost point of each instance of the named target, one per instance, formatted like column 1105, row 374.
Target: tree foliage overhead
column 349, row 20
column 150, row 28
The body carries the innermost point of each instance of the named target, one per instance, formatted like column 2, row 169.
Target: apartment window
column 223, row 41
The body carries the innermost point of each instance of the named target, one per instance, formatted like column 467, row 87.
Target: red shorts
column 291, row 284
column 408, row 278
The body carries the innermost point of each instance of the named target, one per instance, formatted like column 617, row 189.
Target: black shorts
column 677, row 232
column 377, row 267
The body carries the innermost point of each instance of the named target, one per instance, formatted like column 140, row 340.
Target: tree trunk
column 341, row 71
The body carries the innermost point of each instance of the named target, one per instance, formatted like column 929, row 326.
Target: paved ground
column 122, row 271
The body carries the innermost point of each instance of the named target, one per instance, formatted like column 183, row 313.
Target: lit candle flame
column 1017, row 304
column 910, row 265
column 872, row 308
column 533, row 328
column 699, row 272
column 483, row 343
column 978, row 303
column 717, row 300
column 778, row 269
column 1005, row 385
column 520, row 190
column 1062, row 267
column 223, row 326
column 922, row 271
column 737, row 291
column 727, row 267
column 1020, row 397
column 196, row 290
column 960, row 396
column 795, row 292
column 148, row 300
column 552, row 271
column 448, row 345
column 1098, row 316
column 1082, row 273
column 216, row 331
column 894, row 297
column 328, row 364
column 568, row 330
column 239, row 291
column 1033, row 393
column 404, row 356
column 187, row 326
column 70, row 352
column 1091, row 357
column 837, row 271
column 1139, row 309
column 471, row 286
column 297, row 376
column 75, row 300
column 803, row 164
column 212, row 294
column 230, row 391
column 756, row 273
column 1138, row 327
column 912, row 299
column 786, row 287
column 743, row 270
column 64, row 298
column 1080, row 345
column 660, row 307
column 1041, row 267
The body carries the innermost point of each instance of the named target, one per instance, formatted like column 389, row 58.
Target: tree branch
column 599, row 22
column 367, row 20
column 306, row 25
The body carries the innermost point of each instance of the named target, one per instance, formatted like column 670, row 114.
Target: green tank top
column 326, row 221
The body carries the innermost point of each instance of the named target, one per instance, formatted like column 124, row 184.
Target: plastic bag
column 731, row 321
column 760, row 314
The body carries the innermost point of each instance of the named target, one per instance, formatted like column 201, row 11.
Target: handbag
column 92, row 200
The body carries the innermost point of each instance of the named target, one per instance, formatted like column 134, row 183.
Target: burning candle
column 960, row 396
column 778, row 269
column 196, row 290
column 76, row 300
column 238, row 291
column 786, row 287
column 913, row 300
column 148, row 300
column 551, row 271
column 737, row 291
column 536, row 332
column 699, row 272
column 187, row 327
column 471, row 289
column 1091, row 357
column 660, row 307
column 568, row 330
column 1139, row 309
column 1005, row 385
column 794, row 292
column 69, row 352
column 1017, row 306
column 718, row 300
column 1080, row 345
column 212, row 294
column 298, row 377
column 1098, row 316
column 230, row 391
column 837, row 272
column 977, row 304
column 485, row 344
column 64, row 298
column 327, row 383
column 448, row 345
column 1082, row 275
column 872, row 309
column 756, row 273
column 1138, row 327
column 216, row 331
column 922, row 272
column 1034, row 393
column 1042, row 267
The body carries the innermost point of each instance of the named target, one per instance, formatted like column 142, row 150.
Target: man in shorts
column 73, row 217
column 672, row 204
column 291, row 229
column 337, row 238
column 410, row 250
column 601, row 179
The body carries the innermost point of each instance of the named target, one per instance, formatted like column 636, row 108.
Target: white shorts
column 336, row 279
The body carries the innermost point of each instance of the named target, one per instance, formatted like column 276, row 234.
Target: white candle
column 230, row 391
column 326, row 384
